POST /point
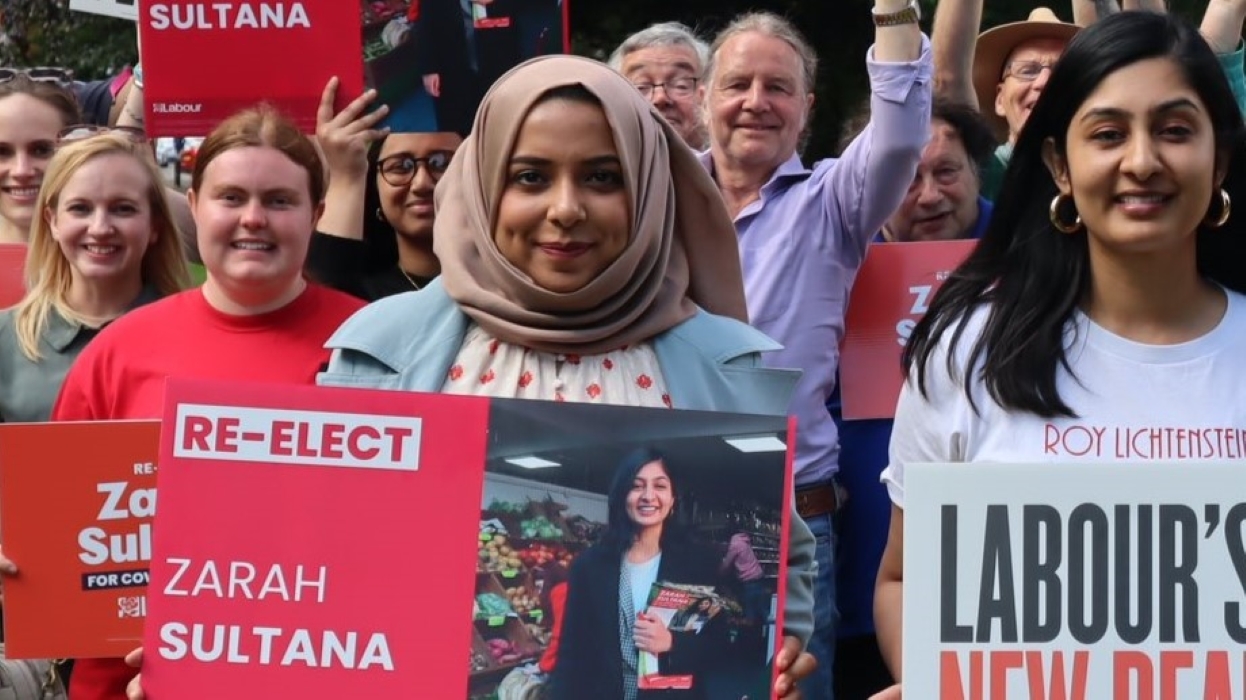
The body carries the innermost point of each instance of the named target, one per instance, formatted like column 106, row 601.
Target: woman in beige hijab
column 586, row 256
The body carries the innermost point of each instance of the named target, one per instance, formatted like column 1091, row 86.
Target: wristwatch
column 911, row 14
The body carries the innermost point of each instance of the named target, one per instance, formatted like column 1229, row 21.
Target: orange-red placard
column 892, row 291
column 76, row 508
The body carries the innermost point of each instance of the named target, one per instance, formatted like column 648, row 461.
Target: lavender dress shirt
column 803, row 239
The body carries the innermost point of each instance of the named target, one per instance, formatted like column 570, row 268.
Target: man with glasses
column 1011, row 65
column 1004, row 69
column 665, row 62
column 802, row 234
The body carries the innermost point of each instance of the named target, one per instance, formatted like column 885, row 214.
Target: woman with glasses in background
column 376, row 236
column 34, row 108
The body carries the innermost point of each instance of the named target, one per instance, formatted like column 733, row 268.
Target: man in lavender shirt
column 803, row 232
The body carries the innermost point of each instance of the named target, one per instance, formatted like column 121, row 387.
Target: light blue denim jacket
column 408, row 342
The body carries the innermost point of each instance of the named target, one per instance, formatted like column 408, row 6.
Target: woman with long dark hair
column 606, row 625
column 1106, row 290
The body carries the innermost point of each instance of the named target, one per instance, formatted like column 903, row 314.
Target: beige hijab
column 682, row 252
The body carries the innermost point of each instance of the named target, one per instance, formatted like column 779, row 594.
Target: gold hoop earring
column 1226, row 207
column 1054, row 214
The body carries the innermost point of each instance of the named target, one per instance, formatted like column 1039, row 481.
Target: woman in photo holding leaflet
column 607, row 625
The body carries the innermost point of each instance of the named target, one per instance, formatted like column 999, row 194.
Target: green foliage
column 48, row 33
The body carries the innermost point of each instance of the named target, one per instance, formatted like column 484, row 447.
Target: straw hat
column 997, row 43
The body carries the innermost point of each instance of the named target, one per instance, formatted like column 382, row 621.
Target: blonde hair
column 48, row 273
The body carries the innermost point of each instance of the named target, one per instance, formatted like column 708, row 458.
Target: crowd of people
column 655, row 213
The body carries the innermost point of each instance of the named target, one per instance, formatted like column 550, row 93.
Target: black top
column 344, row 265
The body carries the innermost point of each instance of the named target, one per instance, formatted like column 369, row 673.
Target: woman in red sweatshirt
column 256, row 194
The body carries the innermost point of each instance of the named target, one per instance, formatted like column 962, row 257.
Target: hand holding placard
column 345, row 137
column 134, row 690
column 793, row 666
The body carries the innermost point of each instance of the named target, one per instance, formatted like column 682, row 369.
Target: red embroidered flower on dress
column 666, row 399
column 487, row 377
column 593, row 391
column 456, row 372
column 643, row 381
column 558, row 396
column 573, row 359
column 607, row 363
column 493, row 346
column 525, row 379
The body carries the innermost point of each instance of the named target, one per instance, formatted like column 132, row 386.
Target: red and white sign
column 892, row 291
column 370, row 505
column 1075, row 581
column 203, row 61
column 76, row 510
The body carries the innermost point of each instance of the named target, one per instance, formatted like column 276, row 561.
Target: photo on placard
column 431, row 61
column 567, row 488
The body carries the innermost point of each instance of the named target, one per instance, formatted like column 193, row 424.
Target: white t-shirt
column 642, row 577
column 1134, row 402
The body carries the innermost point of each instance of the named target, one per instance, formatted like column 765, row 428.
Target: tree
column 48, row 33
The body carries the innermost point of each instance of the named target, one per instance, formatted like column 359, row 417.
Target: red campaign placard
column 892, row 291
column 203, row 61
column 76, row 504
column 313, row 542
column 12, row 273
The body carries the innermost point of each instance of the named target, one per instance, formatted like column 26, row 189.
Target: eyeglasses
column 399, row 169
column 678, row 88
column 1026, row 71
column 78, row 132
column 42, row 74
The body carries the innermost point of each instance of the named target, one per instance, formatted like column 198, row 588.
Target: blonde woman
column 102, row 242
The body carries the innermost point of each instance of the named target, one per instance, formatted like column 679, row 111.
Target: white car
column 166, row 152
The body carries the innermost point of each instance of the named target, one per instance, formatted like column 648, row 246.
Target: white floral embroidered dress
column 486, row 366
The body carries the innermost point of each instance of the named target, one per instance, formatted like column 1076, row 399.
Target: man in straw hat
column 1011, row 64
column 1006, row 68
column 1008, row 65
